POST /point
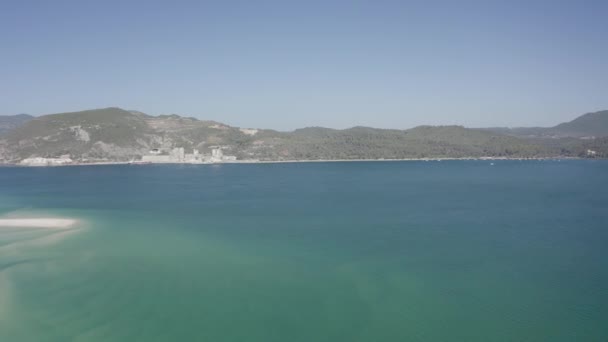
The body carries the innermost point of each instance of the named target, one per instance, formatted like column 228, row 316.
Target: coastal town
column 176, row 155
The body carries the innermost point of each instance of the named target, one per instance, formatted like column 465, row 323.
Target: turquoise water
column 382, row 251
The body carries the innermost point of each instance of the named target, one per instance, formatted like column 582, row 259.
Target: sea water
column 349, row 251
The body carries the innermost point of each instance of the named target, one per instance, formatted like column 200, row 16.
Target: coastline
column 396, row 160
column 254, row 161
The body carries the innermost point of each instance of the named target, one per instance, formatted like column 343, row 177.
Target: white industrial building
column 177, row 155
column 39, row 161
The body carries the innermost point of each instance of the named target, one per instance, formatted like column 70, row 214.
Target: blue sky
column 289, row 64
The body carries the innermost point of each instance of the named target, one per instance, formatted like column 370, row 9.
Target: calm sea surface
column 376, row 251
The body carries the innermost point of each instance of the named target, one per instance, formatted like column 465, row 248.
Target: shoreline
column 138, row 163
column 398, row 160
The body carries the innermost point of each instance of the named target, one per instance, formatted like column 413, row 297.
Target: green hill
column 587, row 125
column 419, row 142
column 114, row 134
column 110, row 133
column 591, row 124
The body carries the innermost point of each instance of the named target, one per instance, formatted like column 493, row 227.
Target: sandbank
column 37, row 222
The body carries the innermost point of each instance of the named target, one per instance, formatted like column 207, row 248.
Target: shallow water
column 382, row 251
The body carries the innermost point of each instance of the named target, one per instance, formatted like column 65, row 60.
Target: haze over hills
column 590, row 125
column 8, row 122
column 114, row 134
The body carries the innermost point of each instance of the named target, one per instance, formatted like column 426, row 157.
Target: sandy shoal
column 38, row 222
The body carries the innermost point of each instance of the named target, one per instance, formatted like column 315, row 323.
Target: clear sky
column 289, row 64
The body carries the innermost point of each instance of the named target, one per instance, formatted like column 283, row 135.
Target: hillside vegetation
column 588, row 125
column 114, row 134
column 9, row 122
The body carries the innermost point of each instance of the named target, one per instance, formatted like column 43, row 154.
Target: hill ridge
column 116, row 134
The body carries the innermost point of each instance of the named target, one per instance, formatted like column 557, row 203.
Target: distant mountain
column 590, row 125
column 107, row 134
column 8, row 122
column 114, row 134
column 419, row 142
